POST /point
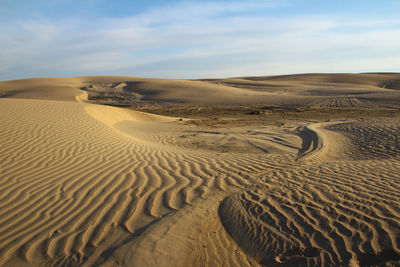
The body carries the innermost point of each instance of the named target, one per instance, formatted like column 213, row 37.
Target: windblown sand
column 299, row 170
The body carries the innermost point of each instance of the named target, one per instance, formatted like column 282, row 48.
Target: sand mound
column 320, row 145
column 65, row 89
column 113, row 115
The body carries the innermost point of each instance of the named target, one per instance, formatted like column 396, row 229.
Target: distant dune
column 293, row 170
column 302, row 89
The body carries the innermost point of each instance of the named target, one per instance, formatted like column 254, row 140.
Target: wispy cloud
column 198, row 40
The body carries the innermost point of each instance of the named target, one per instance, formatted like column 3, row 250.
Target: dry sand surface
column 296, row 170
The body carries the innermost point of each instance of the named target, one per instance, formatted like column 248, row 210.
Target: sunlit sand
column 295, row 170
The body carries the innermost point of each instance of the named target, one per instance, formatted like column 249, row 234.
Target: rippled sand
column 84, row 184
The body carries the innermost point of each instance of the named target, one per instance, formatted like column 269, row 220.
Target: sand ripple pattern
column 377, row 139
column 70, row 183
column 72, row 187
column 334, row 213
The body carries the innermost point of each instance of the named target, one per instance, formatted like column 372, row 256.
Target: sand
column 295, row 170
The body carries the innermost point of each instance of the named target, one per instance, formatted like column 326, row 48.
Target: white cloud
column 197, row 40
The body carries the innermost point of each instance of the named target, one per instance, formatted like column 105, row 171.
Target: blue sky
column 196, row 39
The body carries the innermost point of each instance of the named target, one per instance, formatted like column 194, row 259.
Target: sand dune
column 305, row 89
column 70, row 181
column 83, row 184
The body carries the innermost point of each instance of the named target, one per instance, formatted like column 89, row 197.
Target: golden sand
column 84, row 184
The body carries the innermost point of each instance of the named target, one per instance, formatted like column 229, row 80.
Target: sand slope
column 90, row 185
column 72, row 185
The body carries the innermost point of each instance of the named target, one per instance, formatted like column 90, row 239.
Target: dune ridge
column 338, row 90
column 72, row 181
